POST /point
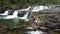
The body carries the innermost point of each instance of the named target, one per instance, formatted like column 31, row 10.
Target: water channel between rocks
column 16, row 22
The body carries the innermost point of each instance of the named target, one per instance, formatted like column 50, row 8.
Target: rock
column 44, row 28
column 54, row 26
column 58, row 30
column 29, row 28
column 58, row 20
column 51, row 18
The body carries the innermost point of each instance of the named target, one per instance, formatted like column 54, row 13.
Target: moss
column 42, row 17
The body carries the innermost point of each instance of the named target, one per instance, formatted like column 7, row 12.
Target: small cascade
column 25, row 17
column 15, row 13
column 5, row 13
column 28, row 8
column 39, row 8
column 12, row 16
column 36, row 32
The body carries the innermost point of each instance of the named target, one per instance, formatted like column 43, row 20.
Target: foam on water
column 5, row 13
column 36, row 32
column 12, row 16
column 39, row 8
column 25, row 17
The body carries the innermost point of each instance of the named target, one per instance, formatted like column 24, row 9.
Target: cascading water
column 24, row 17
column 39, row 8
column 36, row 32
column 12, row 16
column 5, row 13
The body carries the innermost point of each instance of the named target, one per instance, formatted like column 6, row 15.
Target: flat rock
column 44, row 28
column 57, row 30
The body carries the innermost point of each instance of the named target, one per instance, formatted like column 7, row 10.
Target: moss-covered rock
column 42, row 17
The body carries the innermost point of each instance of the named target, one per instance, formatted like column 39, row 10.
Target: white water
column 38, row 8
column 36, row 32
column 15, row 16
column 25, row 17
column 12, row 16
column 5, row 13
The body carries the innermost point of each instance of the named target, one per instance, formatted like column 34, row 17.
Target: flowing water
column 36, row 32
column 17, row 21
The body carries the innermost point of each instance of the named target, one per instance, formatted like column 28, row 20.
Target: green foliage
column 23, row 3
column 42, row 17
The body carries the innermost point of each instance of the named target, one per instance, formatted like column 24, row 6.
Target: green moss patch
column 42, row 16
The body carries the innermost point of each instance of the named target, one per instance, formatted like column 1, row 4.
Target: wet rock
column 44, row 28
column 58, row 20
column 54, row 25
column 21, row 13
column 52, row 18
column 29, row 28
column 58, row 30
column 17, row 29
